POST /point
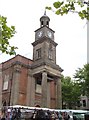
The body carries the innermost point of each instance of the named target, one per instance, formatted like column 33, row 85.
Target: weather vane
column 45, row 12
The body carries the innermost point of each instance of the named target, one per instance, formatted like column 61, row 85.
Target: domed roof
column 45, row 17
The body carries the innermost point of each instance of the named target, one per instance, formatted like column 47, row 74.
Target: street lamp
column 87, row 32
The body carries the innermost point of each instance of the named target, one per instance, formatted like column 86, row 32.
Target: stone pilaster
column 30, row 99
column 44, row 89
column 48, row 94
column 15, row 85
column 59, row 94
column 0, row 85
column 33, row 92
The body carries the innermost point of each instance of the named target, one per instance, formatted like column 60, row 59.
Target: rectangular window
column 38, row 53
column 50, row 54
column 84, row 103
column 38, row 86
column 6, row 82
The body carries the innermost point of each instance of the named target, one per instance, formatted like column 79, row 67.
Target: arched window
column 50, row 52
column 47, row 23
column 41, row 23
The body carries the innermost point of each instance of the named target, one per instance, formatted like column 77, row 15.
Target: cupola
column 44, row 20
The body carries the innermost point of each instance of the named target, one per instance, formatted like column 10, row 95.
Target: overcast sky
column 70, row 32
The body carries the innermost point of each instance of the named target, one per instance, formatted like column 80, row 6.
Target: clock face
column 49, row 34
column 40, row 34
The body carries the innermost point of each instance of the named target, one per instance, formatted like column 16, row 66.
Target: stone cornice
column 54, row 66
column 17, row 66
column 44, row 27
column 44, row 39
column 16, row 63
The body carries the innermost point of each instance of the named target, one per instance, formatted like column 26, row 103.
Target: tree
column 6, row 33
column 70, row 93
column 62, row 8
column 82, row 76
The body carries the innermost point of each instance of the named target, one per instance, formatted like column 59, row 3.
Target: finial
column 45, row 12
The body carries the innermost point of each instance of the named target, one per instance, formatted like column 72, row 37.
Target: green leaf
column 57, row 4
column 81, row 15
column 58, row 12
column 49, row 8
column 6, row 33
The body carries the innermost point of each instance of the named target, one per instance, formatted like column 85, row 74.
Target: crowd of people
column 10, row 114
column 49, row 115
column 36, row 114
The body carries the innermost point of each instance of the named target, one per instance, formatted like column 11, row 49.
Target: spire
column 45, row 12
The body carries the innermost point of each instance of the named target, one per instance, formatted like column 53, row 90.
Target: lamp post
column 88, row 35
column 87, row 32
column 0, row 85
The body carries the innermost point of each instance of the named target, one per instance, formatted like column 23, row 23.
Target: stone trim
column 44, row 89
column 16, row 63
column 54, row 66
column 43, row 27
column 15, row 85
column 42, row 40
column 59, row 94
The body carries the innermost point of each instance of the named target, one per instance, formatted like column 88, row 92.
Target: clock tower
column 44, row 30
column 45, row 71
column 44, row 37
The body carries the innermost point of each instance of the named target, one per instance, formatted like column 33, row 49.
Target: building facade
column 33, row 82
column 84, row 101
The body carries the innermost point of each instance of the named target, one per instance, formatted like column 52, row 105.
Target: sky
column 70, row 32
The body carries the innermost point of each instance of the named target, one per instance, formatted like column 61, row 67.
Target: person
column 66, row 116
column 48, row 115
column 40, row 115
column 54, row 116
column 33, row 117
column 18, row 114
column 59, row 114
column 75, row 118
column 3, row 116
column 0, row 114
column 14, row 115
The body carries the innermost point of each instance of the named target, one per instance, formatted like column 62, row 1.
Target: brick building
column 33, row 82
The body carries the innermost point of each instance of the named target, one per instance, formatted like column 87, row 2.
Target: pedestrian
column 3, row 115
column 40, row 115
